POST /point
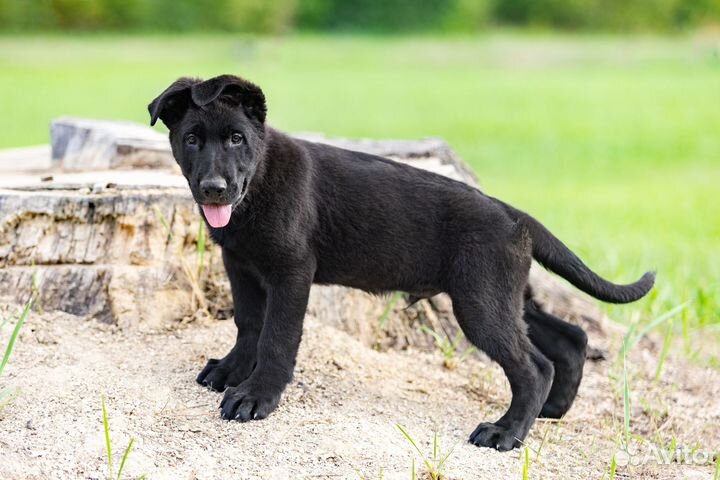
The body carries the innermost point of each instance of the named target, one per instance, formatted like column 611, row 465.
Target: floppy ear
column 171, row 105
column 233, row 90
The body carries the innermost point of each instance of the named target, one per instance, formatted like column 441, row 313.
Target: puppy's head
column 217, row 132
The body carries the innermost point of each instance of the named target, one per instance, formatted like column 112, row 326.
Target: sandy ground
column 337, row 418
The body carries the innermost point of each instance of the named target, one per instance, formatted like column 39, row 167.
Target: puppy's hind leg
column 563, row 344
column 487, row 302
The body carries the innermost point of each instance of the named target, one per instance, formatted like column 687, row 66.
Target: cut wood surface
column 80, row 144
column 119, row 242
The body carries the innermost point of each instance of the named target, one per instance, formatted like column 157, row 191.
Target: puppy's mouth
column 218, row 214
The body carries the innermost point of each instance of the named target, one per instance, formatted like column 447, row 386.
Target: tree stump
column 80, row 144
column 109, row 229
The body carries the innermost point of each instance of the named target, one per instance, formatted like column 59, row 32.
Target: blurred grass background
column 278, row 16
column 610, row 139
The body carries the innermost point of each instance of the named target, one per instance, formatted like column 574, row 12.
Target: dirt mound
column 337, row 418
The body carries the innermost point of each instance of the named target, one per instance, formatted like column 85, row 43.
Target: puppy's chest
column 259, row 248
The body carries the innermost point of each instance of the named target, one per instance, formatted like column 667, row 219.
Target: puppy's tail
column 552, row 254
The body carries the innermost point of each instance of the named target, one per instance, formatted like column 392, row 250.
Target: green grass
column 452, row 357
column 612, row 142
column 613, row 468
column 436, row 463
column 200, row 251
column 526, row 464
column 14, row 336
column 5, row 393
column 108, row 447
column 385, row 315
column 631, row 339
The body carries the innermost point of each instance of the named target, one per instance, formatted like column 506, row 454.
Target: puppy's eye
column 236, row 138
column 191, row 139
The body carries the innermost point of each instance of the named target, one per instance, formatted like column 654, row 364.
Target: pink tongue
column 217, row 215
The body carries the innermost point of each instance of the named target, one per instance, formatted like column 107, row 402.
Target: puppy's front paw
column 228, row 372
column 494, row 436
column 249, row 401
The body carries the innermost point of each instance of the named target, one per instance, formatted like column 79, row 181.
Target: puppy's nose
column 213, row 186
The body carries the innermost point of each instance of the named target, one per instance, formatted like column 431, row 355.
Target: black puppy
column 289, row 213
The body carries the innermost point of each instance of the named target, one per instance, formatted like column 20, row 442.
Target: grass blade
column 445, row 458
column 35, row 288
column 526, row 466
column 5, row 395
column 106, row 425
column 409, row 438
column 412, row 442
column 627, row 344
column 626, row 404
column 654, row 324
column 663, row 353
column 125, row 457
column 6, row 321
column 439, row 340
column 626, row 340
column 382, row 321
column 200, row 250
column 466, row 354
column 13, row 337
column 164, row 222
column 542, row 444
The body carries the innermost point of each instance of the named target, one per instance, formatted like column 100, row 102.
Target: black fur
column 565, row 345
column 307, row 213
